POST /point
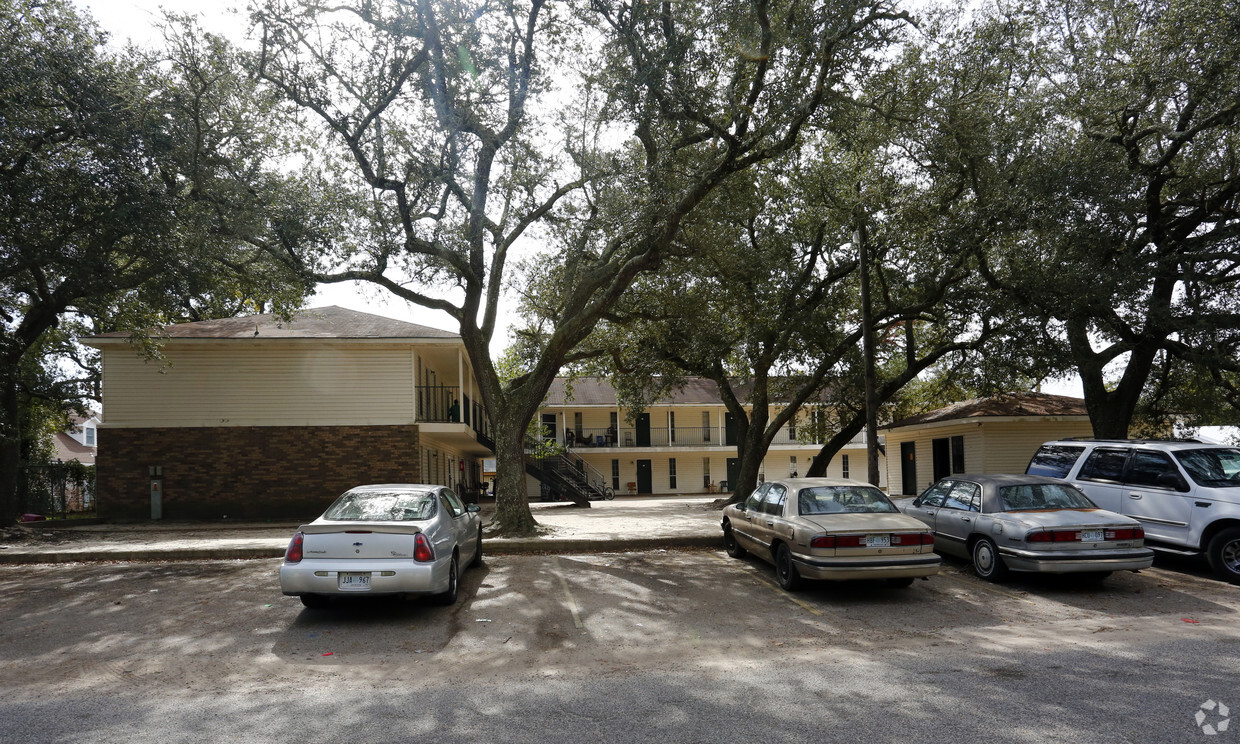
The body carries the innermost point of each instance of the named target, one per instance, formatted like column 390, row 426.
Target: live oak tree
column 129, row 187
column 459, row 136
column 1120, row 207
column 766, row 303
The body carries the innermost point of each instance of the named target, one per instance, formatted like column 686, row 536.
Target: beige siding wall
column 989, row 446
column 262, row 384
column 1009, row 446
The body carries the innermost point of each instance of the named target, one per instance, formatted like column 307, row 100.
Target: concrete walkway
column 624, row 524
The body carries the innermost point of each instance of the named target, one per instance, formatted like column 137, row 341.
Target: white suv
column 1186, row 494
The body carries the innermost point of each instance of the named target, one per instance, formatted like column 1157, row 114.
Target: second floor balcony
column 680, row 436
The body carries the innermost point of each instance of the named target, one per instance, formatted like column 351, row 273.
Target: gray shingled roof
column 597, row 391
column 320, row 322
column 1004, row 405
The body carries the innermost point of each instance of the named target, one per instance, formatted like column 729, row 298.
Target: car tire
column 1223, row 552
column 731, row 546
column 314, row 601
column 454, row 583
column 901, row 583
column 477, row 559
column 986, row 560
column 785, row 570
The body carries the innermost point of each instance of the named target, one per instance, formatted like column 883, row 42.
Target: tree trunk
column 512, row 508
column 10, row 445
column 818, row 466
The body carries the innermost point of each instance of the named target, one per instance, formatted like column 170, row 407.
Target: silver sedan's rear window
column 1035, row 496
column 839, row 499
column 382, row 506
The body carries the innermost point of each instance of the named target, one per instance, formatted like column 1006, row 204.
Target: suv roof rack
column 1189, row 440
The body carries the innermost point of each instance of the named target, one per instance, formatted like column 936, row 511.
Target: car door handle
column 966, row 519
column 770, row 524
column 1134, row 495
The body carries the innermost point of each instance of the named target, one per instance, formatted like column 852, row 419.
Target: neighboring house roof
column 68, row 448
column 312, row 323
column 1008, row 405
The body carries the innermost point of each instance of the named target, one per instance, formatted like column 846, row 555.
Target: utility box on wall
column 157, row 492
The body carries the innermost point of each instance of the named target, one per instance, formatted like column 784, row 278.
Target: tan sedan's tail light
column 859, row 541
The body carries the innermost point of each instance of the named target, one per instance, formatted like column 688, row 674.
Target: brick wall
column 248, row 472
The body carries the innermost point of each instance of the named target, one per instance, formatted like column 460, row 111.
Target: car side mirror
column 473, row 508
column 917, row 501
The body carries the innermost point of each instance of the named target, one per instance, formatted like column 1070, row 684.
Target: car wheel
column 314, row 601
column 785, row 572
column 901, row 583
column 477, row 559
column 449, row 597
column 730, row 544
column 986, row 560
column 1224, row 554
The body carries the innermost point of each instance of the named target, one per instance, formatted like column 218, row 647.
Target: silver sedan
column 396, row 539
column 1009, row 523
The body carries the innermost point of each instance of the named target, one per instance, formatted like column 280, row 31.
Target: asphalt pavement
column 628, row 523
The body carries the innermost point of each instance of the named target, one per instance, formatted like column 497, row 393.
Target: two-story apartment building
column 684, row 443
column 255, row 417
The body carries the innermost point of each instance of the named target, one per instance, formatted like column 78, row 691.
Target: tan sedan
column 829, row 528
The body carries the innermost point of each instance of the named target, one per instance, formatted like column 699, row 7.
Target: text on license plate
column 354, row 581
column 878, row 541
column 1092, row 536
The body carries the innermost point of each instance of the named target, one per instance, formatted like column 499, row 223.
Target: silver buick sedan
column 395, row 539
column 1009, row 523
column 829, row 528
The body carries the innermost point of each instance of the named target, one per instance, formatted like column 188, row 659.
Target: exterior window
column 706, row 471
column 577, row 423
column 936, row 494
column 706, row 428
column 792, row 429
column 964, row 496
column 844, row 466
column 792, row 466
column 1147, row 467
column 1104, row 465
column 957, row 454
column 1055, row 461
column 754, row 502
column 90, row 436
column 671, row 473
column 615, row 475
column 773, row 502
column 671, row 428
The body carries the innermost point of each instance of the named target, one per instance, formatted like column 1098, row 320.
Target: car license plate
column 1092, row 535
column 353, row 581
column 878, row 541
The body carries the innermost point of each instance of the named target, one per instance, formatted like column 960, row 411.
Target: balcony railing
column 439, row 404
column 680, row 436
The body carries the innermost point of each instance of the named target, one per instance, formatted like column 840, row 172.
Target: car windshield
column 836, row 499
column 1034, row 496
column 1216, row 467
column 382, row 506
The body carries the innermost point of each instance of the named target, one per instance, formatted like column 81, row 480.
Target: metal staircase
column 570, row 477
